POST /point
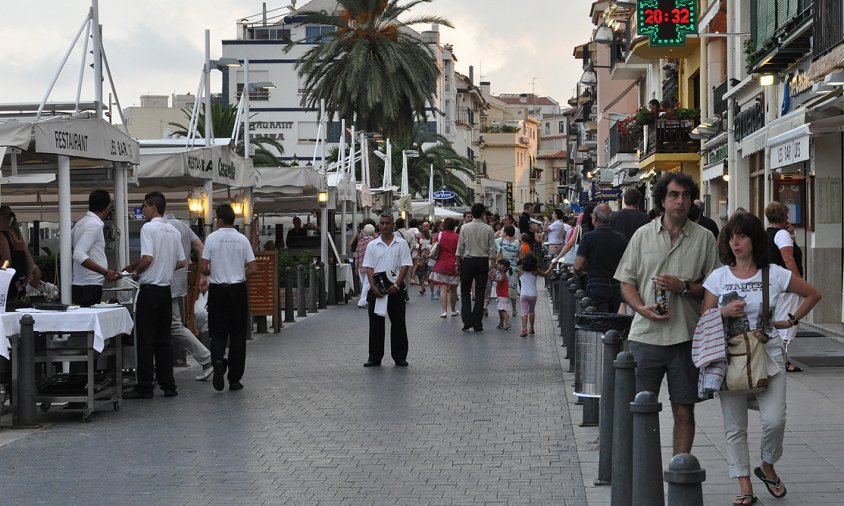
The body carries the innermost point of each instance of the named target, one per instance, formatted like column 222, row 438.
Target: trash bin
column 589, row 329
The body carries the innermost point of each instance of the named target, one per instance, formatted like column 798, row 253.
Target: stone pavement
column 812, row 466
column 477, row 418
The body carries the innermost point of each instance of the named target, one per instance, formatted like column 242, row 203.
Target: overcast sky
column 157, row 46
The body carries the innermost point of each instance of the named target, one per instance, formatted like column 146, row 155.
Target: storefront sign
column 263, row 288
column 604, row 192
column 787, row 153
column 444, row 195
column 749, row 120
column 85, row 138
column 717, row 154
column 270, row 129
column 667, row 22
column 510, row 206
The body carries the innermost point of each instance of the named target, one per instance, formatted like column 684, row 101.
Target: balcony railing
column 828, row 31
column 536, row 174
column 619, row 143
column 719, row 105
column 670, row 136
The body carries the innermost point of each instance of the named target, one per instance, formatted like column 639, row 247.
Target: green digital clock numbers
column 667, row 22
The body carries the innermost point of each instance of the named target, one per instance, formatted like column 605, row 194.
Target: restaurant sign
column 604, row 192
column 85, row 138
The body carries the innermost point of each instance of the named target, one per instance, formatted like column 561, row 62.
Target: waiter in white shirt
column 227, row 259
column 161, row 255
column 90, row 266
column 387, row 260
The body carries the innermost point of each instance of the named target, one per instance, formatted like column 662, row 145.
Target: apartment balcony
column 535, row 174
column 465, row 118
column 667, row 143
column 781, row 33
column 622, row 143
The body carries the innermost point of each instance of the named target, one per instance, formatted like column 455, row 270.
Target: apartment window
column 562, row 127
column 318, row 34
column 547, row 128
column 259, row 95
column 266, row 33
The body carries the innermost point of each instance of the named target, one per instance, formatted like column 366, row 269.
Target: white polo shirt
column 88, row 241
column 387, row 258
column 163, row 243
column 228, row 251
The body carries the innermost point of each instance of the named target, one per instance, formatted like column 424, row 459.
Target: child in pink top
column 502, row 292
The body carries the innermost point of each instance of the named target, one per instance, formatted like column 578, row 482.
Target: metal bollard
column 647, row 453
column 300, row 290
column 622, row 429
column 591, row 405
column 612, row 347
column 685, row 477
column 332, row 282
column 288, row 295
column 321, row 285
column 25, row 395
column 313, row 284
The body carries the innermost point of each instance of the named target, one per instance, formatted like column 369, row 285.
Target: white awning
column 342, row 185
column 712, row 171
column 15, row 135
column 758, row 140
column 754, row 142
column 219, row 164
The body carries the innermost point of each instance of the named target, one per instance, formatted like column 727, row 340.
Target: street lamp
column 196, row 199
column 322, row 198
column 237, row 205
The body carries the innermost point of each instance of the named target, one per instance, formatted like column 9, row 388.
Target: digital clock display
column 667, row 22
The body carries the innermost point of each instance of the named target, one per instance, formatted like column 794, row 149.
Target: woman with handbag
column 445, row 273
column 738, row 288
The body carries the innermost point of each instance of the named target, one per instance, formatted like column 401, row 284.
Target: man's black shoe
column 171, row 393
column 466, row 328
column 479, row 329
column 370, row 363
column 235, row 385
column 401, row 363
column 219, row 380
column 134, row 394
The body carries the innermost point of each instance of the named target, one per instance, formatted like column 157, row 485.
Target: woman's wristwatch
column 793, row 319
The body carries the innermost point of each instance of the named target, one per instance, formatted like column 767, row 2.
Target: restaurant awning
column 173, row 167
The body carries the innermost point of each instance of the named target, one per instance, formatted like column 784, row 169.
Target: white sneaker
column 455, row 313
column 444, row 315
column 207, row 371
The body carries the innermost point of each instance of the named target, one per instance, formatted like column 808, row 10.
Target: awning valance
column 218, row 164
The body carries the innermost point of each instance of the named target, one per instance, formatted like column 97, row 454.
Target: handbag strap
column 765, row 297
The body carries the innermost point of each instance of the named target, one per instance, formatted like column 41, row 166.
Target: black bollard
column 288, row 295
column 647, row 452
column 622, row 430
column 300, row 291
column 685, row 477
column 25, row 394
column 332, row 282
column 313, row 284
column 612, row 346
column 260, row 324
column 321, row 285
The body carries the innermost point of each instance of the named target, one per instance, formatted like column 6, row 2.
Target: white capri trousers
column 734, row 408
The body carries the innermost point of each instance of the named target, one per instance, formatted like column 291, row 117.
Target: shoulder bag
column 435, row 248
column 747, row 371
column 572, row 253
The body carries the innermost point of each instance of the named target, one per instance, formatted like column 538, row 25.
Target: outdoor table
column 98, row 325
column 345, row 276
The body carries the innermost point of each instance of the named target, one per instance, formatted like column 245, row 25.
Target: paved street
column 476, row 418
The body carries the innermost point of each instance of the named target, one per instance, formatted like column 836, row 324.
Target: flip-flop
column 771, row 485
column 790, row 367
column 741, row 498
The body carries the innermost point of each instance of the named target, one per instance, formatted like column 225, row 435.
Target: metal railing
column 619, row 143
column 670, row 136
column 828, row 31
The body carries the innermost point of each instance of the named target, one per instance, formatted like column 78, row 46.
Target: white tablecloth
column 344, row 273
column 105, row 323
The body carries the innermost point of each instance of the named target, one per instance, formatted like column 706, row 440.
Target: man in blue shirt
column 598, row 256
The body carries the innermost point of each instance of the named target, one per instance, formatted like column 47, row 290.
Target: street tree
column 371, row 69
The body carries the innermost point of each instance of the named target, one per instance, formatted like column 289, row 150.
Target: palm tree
column 370, row 69
column 223, row 118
